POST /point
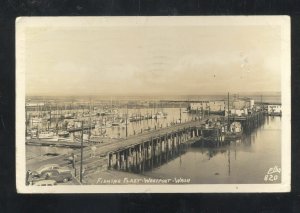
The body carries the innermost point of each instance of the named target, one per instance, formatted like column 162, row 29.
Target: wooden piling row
column 152, row 153
column 157, row 150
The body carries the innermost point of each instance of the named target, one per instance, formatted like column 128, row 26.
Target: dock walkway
column 103, row 149
column 146, row 148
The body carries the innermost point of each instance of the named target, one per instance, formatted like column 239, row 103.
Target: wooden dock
column 106, row 150
column 146, row 150
column 68, row 144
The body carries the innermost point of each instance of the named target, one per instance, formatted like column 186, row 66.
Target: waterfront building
column 274, row 109
column 242, row 103
column 217, row 107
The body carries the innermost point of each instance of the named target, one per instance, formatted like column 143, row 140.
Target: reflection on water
column 243, row 161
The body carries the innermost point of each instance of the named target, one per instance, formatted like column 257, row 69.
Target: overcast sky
column 136, row 60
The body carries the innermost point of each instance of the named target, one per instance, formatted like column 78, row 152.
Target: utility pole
column 74, row 164
column 229, row 161
column 126, row 120
column 261, row 104
column 50, row 118
column 81, row 156
column 180, row 114
column 90, row 120
column 228, row 114
column 56, row 119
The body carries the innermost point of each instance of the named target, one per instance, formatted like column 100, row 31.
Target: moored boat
column 235, row 131
column 185, row 111
column 49, row 136
column 63, row 134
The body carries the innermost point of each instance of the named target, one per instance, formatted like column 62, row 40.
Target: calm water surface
column 243, row 161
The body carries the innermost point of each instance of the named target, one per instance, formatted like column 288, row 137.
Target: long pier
column 137, row 155
column 144, row 151
column 66, row 144
column 161, row 139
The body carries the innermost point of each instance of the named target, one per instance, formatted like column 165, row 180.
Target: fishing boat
column 119, row 122
column 63, row 134
column 185, row 111
column 49, row 136
column 69, row 116
column 134, row 118
column 108, row 125
column 46, row 135
column 159, row 115
column 33, row 133
column 115, row 124
column 124, row 124
column 147, row 116
column 235, row 131
column 36, row 121
column 99, row 132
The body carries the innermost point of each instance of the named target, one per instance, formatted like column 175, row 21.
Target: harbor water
column 247, row 160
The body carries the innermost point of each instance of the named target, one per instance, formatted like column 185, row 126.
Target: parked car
column 45, row 183
column 44, row 168
column 59, row 175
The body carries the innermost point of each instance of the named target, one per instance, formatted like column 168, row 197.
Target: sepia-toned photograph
column 153, row 104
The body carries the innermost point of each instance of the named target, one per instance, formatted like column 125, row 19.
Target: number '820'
column 271, row 178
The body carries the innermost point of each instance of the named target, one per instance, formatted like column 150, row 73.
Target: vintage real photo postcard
column 153, row 104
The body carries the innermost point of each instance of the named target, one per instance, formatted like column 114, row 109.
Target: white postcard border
column 24, row 22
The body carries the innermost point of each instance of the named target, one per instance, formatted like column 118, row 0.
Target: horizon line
column 154, row 94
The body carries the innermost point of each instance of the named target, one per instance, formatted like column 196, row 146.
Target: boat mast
column 81, row 151
column 90, row 111
column 25, row 120
column 56, row 118
column 180, row 113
